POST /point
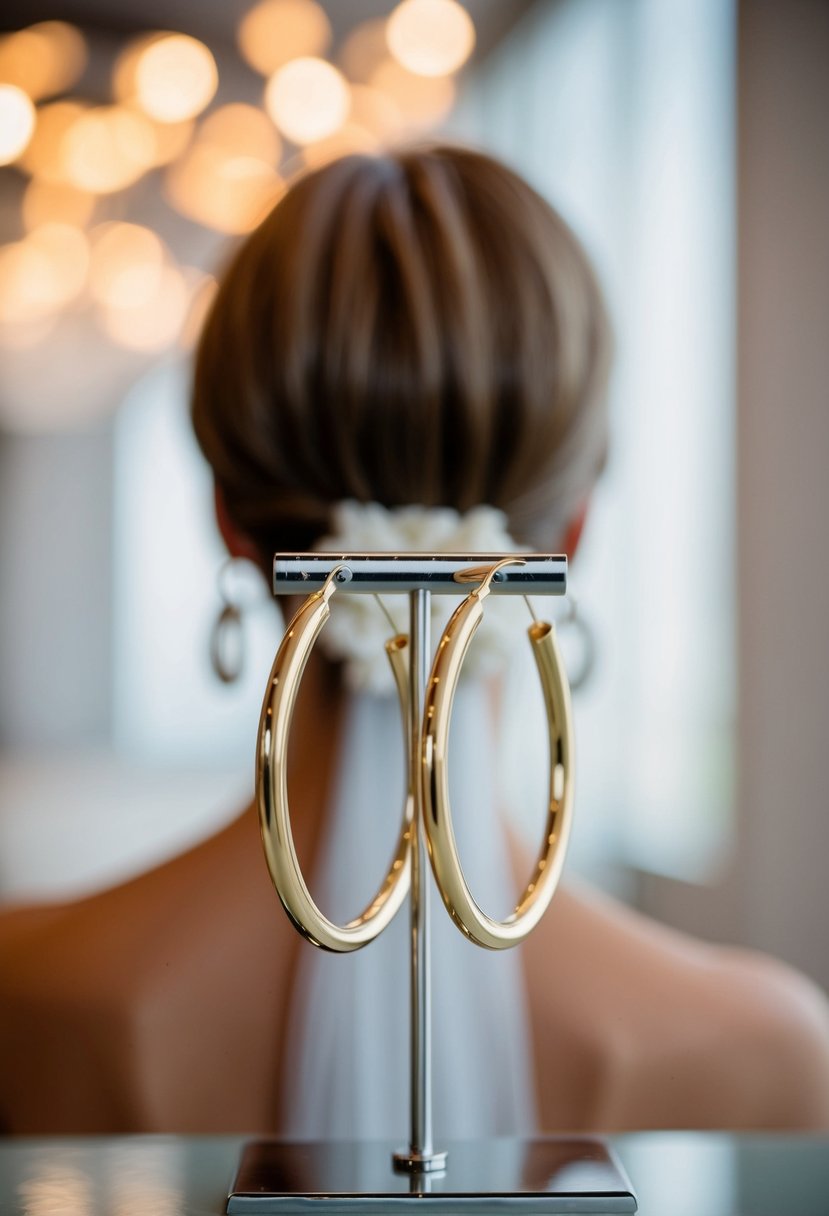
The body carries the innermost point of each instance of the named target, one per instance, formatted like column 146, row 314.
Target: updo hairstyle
column 414, row 328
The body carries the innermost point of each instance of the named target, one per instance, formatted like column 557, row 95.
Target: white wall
column 776, row 893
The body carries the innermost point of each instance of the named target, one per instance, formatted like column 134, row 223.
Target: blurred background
column 686, row 142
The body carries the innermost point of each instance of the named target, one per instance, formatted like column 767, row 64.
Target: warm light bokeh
column 17, row 122
column 308, row 100
column 349, row 138
column 170, row 139
column 26, row 292
column 126, row 65
column 43, row 59
column 43, row 158
column 42, row 273
column 175, row 78
column 67, row 249
column 276, row 31
column 423, row 101
column 242, row 130
column 229, row 193
column 126, row 265
column 44, row 201
column 364, row 49
column 375, row 112
column 430, row 37
column 107, row 149
column 154, row 321
column 223, row 171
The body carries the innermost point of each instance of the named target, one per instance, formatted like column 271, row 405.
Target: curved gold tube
column 272, row 790
column 443, row 851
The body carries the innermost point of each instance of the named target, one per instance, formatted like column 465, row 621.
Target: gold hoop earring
column 272, row 789
column 443, row 851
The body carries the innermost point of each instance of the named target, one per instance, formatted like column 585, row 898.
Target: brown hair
column 419, row 327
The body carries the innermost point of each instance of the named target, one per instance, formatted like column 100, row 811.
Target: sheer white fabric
column 347, row 1048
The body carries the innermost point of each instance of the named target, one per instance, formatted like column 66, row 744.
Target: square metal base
column 550, row 1175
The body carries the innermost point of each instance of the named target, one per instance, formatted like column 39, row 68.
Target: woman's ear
column 236, row 542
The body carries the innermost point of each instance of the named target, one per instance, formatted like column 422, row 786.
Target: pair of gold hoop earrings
column 272, row 786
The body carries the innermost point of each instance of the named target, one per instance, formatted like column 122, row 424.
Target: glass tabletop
column 674, row 1174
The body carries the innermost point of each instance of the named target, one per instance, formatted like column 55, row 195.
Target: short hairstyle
column 417, row 327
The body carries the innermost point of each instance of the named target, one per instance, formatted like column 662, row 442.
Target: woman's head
column 419, row 327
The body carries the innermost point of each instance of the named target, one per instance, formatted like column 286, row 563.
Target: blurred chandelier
column 78, row 164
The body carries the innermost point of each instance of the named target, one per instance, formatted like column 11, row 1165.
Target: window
column 623, row 115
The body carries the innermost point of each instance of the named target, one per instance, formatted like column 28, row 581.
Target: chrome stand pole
column 421, row 1156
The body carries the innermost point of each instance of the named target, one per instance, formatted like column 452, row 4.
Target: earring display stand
column 542, row 1175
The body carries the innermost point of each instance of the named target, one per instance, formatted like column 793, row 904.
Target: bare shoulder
column 778, row 1020
column 661, row 1030
column 99, row 997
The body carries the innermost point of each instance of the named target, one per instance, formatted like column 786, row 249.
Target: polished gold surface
column 429, row 764
column 272, row 789
column 443, row 851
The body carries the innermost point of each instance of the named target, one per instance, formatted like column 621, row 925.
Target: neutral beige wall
column 776, row 894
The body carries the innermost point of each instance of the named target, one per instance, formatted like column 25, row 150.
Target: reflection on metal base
column 419, row 1163
column 344, row 1178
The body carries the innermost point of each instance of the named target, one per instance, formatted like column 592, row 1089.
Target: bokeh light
column 348, row 139
column 170, row 139
column 364, row 49
column 43, row 59
column 276, row 31
column 126, row 265
column 228, row 178
column 423, row 101
column 221, row 171
column 175, row 78
column 126, row 65
column 229, row 193
column 26, row 284
column 41, row 274
column 242, row 130
column 17, row 122
column 151, row 323
column 375, row 112
column 44, row 201
column 43, row 158
column 107, row 149
column 67, row 249
column 308, row 100
column 430, row 37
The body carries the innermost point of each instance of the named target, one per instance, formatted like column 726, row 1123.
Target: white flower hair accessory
column 357, row 631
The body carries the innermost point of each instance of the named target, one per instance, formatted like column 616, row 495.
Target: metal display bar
column 441, row 573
